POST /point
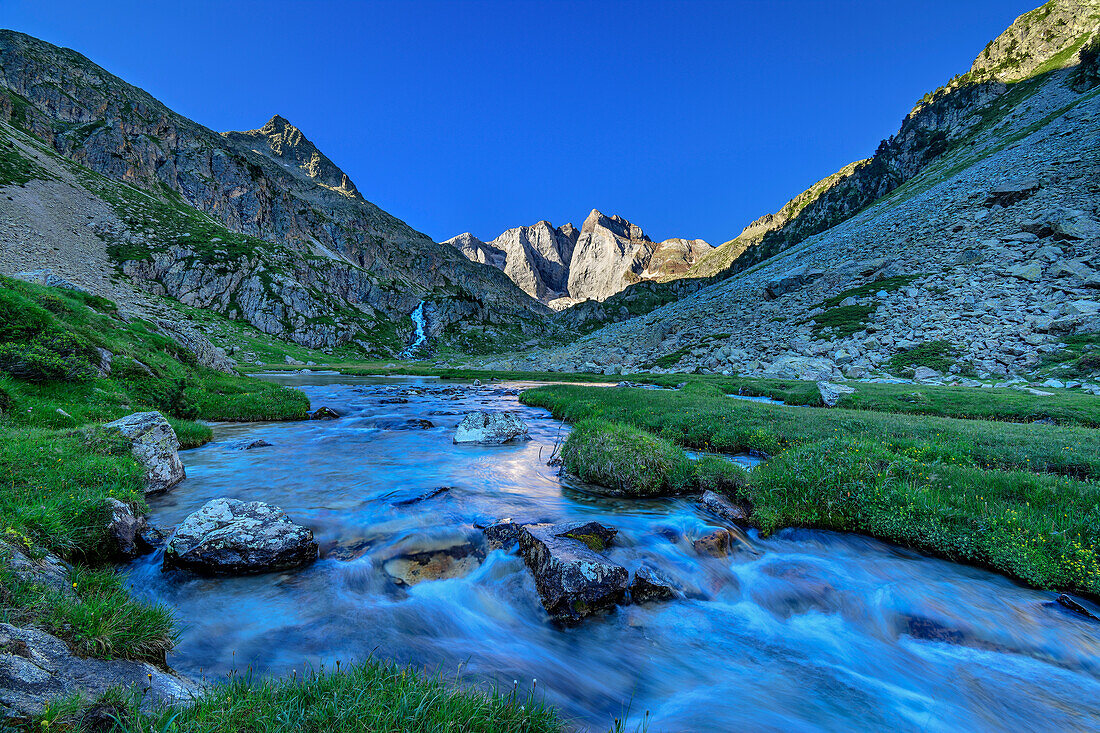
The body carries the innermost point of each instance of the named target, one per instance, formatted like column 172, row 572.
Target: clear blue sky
column 688, row 118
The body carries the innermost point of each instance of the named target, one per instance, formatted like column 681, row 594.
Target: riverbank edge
column 857, row 485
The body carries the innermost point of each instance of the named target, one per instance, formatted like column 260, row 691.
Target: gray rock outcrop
column 154, row 445
column 37, row 668
column 831, row 393
column 233, row 537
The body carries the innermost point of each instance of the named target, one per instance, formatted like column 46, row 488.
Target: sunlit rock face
column 563, row 265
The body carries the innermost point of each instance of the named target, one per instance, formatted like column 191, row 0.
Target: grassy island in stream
column 56, row 472
column 1020, row 499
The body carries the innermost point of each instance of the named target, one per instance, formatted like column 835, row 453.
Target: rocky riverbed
column 800, row 631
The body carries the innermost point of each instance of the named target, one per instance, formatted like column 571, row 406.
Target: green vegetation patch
column 626, row 460
column 888, row 284
column 938, row 355
column 16, row 168
column 843, row 320
column 58, row 469
column 1021, row 499
column 701, row 416
column 1041, row 529
column 373, row 696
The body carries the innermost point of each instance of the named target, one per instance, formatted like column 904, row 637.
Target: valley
column 273, row 459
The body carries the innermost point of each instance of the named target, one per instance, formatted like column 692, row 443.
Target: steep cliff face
column 1043, row 39
column 303, row 226
column 564, row 265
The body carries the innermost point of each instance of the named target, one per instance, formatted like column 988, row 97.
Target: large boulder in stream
column 491, row 428
column 573, row 578
column 233, row 537
column 154, row 445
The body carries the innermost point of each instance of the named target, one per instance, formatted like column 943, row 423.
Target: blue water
column 804, row 631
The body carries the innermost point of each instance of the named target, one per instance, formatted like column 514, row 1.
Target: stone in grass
column 37, row 668
column 831, row 393
column 573, row 580
column 233, row 537
column 126, row 530
column 922, row 374
column 491, row 428
column 154, row 445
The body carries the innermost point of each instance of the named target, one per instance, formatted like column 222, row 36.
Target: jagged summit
column 562, row 266
column 287, row 145
column 615, row 224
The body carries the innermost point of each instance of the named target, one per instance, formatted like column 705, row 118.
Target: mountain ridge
column 288, row 194
column 564, row 266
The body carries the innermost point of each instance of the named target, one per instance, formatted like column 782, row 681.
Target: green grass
column 888, row 284
column 844, row 320
column 57, row 470
column 1040, row 529
column 1021, row 499
column 701, row 416
column 938, row 355
column 99, row 619
column 628, row 461
column 372, row 696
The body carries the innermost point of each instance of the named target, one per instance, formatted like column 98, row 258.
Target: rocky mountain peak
column 286, row 145
column 1043, row 39
column 615, row 224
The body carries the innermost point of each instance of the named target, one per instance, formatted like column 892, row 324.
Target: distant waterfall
column 418, row 321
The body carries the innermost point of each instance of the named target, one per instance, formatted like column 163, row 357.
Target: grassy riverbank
column 372, row 696
column 1022, row 499
column 1058, row 406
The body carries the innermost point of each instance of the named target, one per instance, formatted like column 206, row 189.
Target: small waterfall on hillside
column 421, row 336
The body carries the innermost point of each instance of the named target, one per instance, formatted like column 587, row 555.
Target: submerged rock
column 261, row 443
column 36, row 668
column 573, row 580
column 722, row 507
column 490, row 428
column 417, row 498
column 324, row 413
column 1071, row 604
column 232, row 537
column 154, row 445
column 649, row 584
column 453, row 560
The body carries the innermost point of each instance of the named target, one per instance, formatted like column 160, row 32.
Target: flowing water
column 808, row 631
column 419, row 334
